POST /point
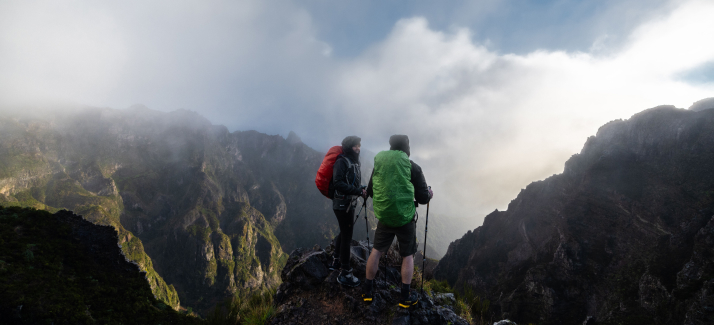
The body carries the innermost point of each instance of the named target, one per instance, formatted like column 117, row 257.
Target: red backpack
column 324, row 174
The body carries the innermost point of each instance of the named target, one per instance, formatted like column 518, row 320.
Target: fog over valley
column 485, row 117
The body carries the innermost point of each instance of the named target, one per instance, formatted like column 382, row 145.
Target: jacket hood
column 347, row 144
column 399, row 142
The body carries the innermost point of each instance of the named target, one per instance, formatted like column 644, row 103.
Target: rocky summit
column 310, row 293
column 623, row 236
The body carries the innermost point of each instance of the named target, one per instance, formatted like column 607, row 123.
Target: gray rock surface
column 309, row 293
column 623, row 235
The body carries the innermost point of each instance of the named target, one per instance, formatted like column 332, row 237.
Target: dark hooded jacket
column 346, row 176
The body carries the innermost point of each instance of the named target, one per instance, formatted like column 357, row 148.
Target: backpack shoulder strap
column 349, row 161
column 350, row 165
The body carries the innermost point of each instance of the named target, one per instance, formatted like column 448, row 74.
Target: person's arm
column 339, row 171
column 421, row 190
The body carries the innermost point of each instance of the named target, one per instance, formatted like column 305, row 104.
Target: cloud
column 483, row 124
column 46, row 53
column 237, row 62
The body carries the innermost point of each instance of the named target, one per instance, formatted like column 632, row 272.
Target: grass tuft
column 257, row 309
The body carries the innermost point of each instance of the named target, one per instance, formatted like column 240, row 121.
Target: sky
column 494, row 94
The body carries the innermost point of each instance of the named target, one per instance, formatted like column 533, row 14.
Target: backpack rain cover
column 324, row 173
column 393, row 198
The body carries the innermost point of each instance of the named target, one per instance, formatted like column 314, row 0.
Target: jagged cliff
column 206, row 210
column 623, row 236
column 61, row 269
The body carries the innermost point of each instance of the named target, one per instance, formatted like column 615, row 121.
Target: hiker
column 347, row 187
column 396, row 183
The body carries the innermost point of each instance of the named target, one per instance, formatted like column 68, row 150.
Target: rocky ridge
column 310, row 293
column 623, row 235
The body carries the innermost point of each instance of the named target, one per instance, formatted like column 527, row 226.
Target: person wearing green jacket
column 395, row 185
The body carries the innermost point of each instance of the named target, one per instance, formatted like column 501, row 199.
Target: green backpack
column 393, row 198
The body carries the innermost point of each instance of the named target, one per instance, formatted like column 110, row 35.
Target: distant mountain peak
column 293, row 138
column 700, row 105
column 138, row 107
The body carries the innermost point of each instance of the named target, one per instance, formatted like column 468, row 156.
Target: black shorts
column 406, row 236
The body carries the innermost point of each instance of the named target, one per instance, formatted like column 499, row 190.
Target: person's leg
column 338, row 244
column 335, row 263
column 346, row 277
column 383, row 238
column 407, row 269
column 406, row 235
column 373, row 264
column 344, row 218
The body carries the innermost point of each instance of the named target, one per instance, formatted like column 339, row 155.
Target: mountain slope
column 211, row 208
column 60, row 269
column 624, row 235
column 34, row 172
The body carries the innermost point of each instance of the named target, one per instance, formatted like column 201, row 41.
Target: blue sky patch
column 700, row 75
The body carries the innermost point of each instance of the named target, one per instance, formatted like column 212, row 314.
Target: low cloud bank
column 482, row 124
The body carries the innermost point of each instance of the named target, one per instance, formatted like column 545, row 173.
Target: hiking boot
column 346, row 278
column 335, row 265
column 411, row 301
column 366, row 294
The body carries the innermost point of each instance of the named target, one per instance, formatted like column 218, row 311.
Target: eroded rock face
column 623, row 235
column 310, row 293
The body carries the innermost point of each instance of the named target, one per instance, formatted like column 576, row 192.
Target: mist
column 483, row 121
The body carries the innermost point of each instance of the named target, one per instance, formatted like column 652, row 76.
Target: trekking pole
column 358, row 212
column 423, row 261
column 366, row 225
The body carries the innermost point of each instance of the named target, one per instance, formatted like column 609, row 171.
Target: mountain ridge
column 609, row 240
column 171, row 182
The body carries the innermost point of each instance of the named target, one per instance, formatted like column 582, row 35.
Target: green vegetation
column 468, row 306
column 245, row 259
column 27, row 199
column 211, row 271
column 256, row 309
column 15, row 161
column 44, row 269
column 134, row 250
column 62, row 192
column 202, row 233
column 472, row 307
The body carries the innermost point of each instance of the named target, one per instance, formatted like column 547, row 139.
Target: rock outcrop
column 310, row 293
column 622, row 236
column 61, row 269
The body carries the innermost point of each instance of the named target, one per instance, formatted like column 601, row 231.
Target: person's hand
column 364, row 194
column 431, row 193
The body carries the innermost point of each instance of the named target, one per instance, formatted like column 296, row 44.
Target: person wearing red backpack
column 347, row 187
